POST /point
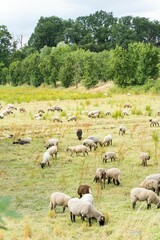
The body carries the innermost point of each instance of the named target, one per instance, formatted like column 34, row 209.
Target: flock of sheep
column 147, row 191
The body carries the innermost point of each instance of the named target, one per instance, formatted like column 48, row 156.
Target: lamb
column 57, row 119
column 96, row 140
column 113, row 174
column 150, row 184
column 142, row 194
column 83, row 189
column 45, row 159
column 84, row 209
column 144, row 157
column 79, row 134
column 107, row 140
column 109, row 155
column 122, row 130
column 53, row 151
column 89, row 143
column 78, row 149
column 60, row 199
column 100, row 176
column 72, row 118
column 52, row 142
column 153, row 122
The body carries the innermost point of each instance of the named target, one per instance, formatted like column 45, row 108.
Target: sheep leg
column 89, row 220
column 148, row 205
column 109, row 180
column 55, row 155
column 71, row 216
column 117, row 182
column 134, row 204
column 64, row 209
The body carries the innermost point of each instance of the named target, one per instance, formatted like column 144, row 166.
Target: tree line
column 98, row 47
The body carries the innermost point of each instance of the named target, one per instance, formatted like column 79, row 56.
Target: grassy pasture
column 30, row 186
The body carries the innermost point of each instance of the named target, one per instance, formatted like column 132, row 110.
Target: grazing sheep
column 108, row 113
column 89, row 143
column 125, row 112
column 23, row 141
column 45, row 159
column 56, row 108
column 57, row 119
column 60, row 199
column 96, row 140
column 78, row 149
column 113, row 174
column 52, row 142
column 109, row 155
column 53, row 151
column 158, row 112
column 83, row 189
column 122, row 130
column 127, row 105
column 153, row 122
column 79, row 134
column 87, row 197
column 7, row 111
column 72, row 118
column 1, row 115
column 38, row 116
column 144, row 157
column 150, row 184
column 94, row 113
column 22, row 110
column 107, row 140
column 154, row 177
column 84, row 209
column 11, row 106
column 143, row 194
column 100, row 176
column 41, row 111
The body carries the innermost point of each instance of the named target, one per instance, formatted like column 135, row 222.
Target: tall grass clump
column 155, row 139
column 117, row 114
column 148, row 110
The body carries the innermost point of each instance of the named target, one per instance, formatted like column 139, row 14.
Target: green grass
column 30, row 187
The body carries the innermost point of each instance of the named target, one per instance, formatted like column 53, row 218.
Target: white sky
column 21, row 16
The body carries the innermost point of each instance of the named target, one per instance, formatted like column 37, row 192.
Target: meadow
column 30, row 187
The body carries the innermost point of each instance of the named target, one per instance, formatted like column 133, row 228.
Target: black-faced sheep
column 94, row 114
column 60, row 199
column 45, row 159
column 144, row 157
column 153, row 122
column 96, row 140
column 109, row 155
column 143, row 194
column 83, row 189
column 113, row 174
column 107, row 140
column 150, row 184
column 122, row 130
column 101, row 176
column 108, row 113
column 78, row 149
column 23, row 141
column 79, row 134
column 72, row 118
column 89, row 143
column 57, row 119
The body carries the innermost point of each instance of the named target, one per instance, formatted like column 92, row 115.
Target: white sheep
column 125, row 112
column 153, row 122
column 109, row 155
column 150, row 184
column 57, row 119
column 100, row 176
column 89, row 143
column 94, row 113
column 52, row 142
column 1, row 115
column 87, row 197
column 107, row 140
column 78, row 149
column 108, row 113
column 154, row 177
column 144, row 157
column 113, row 174
column 60, row 199
column 53, row 151
column 45, row 159
column 122, row 130
column 72, row 118
column 96, row 140
column 143, row 194
column 84, row 209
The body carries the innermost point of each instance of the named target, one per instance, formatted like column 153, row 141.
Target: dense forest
column 94, row 48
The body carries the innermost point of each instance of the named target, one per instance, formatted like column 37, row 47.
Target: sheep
column 94, row 113
column 122, row 130
column 150, row 184
column 89, row 143
column 100, row 176
column 57, row 119
column 109, row 155
column 52, row 142
column 60, row 199
column 87, row 197
column 77, row 207
column 113, row 174
column 56, row 108
column 158, row 112
column 108, row 113
column 23, row 141
column 143, row 194
column 78, row 149
column 41, row 111
column 22, row 110
column 6, row 112
column 83, row 189
column 53, row 151
column 154, row 177
column 96, row 140
column 107, row 140
column 11, row 106
column 127, row 105
column 125, row 112
column 45, row 159
column 153, row 122
column 1, row 115
column 38, row 116
column 72, row 118
column 79, row 134
column 144, row 157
